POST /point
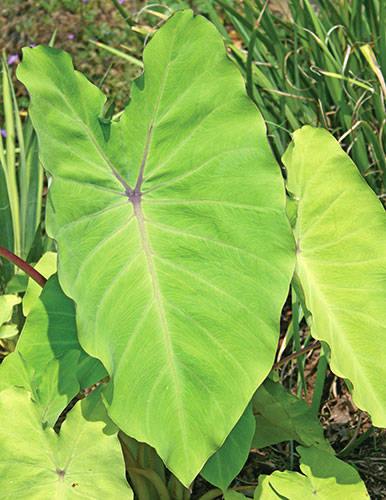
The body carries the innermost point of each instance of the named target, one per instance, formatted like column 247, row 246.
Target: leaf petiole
column 24, row 266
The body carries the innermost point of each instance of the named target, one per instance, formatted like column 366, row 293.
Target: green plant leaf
column 234, row 495
column 341, row 263
column 281, row 416
column 324, row 477
column 6, row 233
column 227, row 462
column 175, row 215
column 8, row 331
column 50, row 331
column 52, row 388
column 7, row 303
column 84, row 461
column 57, row 386
column 14, row 370
column 47, row 267
column 18, row 283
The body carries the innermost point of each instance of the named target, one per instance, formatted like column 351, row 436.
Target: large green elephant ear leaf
column 172, row 236
column 84, row 461
column 341, row 262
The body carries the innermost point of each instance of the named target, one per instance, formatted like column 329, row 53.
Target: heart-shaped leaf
column 324, row 477
column 52, row 389
column 84, row 461
column 341, row 262
column 172, row 236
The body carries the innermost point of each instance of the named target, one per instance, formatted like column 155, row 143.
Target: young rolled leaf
column 84, row 461
column 175, row 216
column 324, row 477
column 341, row 262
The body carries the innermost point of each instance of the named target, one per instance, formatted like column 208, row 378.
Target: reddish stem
column 295, row 355
column 22, row 264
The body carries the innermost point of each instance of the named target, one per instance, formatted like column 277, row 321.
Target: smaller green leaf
column 281, row 416
column 84, row 461
column 324, row 477
column 50, row 331
column 7, row 303
column 47, row 267
column 264, row 490
column 332, row 473
column 18, row 283
column 52, row 388
column 14, row 370
column 8, row 331
column 234, row 495
column 57, row 386
column 227, row 462
column 340, row 237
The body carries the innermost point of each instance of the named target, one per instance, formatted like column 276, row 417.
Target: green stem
column 177, row 490
column 141, row 455
column 156, row 481
column 295, row 326
column 123, row 13
column 22, row 264
column 250, row 86
column 136, row 472
column 319, row 383
column 138, row 482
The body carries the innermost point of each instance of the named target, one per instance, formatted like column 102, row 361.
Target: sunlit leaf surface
column 172, row 236
column 341, row 262
column 84, row 462
column 324, row 477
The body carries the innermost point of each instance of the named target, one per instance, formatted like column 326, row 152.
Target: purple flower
column 13, row 58
column 3, row 132
column 32, row 45
column 85, row 1
column 121, row 1
column 70, row 36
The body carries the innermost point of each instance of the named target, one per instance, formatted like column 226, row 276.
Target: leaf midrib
column 136, row 200
column 158, row 298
